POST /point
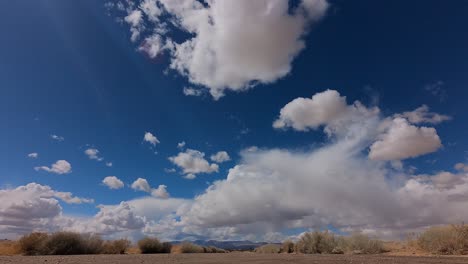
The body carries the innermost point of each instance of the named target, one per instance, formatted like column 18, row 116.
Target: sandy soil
column 231, row 258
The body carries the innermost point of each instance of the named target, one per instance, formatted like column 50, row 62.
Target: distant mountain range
column 229, row 245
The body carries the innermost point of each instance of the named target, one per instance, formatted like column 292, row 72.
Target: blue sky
column 72, row 69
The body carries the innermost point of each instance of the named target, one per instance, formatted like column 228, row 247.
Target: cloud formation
column 93, row 154
column 160, row 192
column 220, row 157
column 59, row 167
column 33, row 155
column 192, row 162
column 32, row 207
column 403, row 140
column 113, row 182
column 141, row 184
column 233, row 45
column 303, row 114
column 150, row 138
column 422, row 115
column 57, row 138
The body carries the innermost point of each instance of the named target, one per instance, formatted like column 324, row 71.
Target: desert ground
column 231, row 258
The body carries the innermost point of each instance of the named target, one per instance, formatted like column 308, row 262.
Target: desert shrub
column 318, row 243
column 68, row 243
column 445, row 240
column 150, row 245
column 268, row 249
column 211, row 249
column 166, row 247
column 92, row 244
column 33, row 244
column 361, row 244
column 188, row 247
column 287, row 247
column 115, row 246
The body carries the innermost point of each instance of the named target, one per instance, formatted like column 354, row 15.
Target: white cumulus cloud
column 160, row 192
column 220, row 157
column 403, row 140
column 141, row 184
column 150, row 138
column 232, row 45
column 113, row 182
column 193, row 162
column 93, row 154
column 59, row 167
column 32, row 207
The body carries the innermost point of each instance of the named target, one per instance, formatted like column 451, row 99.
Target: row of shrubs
column 69, row 243
column 187, row 247
column 327, row 243
column 444, row 240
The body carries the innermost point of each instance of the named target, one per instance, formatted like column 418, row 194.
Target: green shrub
column 188, row 247
column 33, row 244
column 268, row 249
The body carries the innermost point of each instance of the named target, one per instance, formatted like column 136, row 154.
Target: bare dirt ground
column 231, row 258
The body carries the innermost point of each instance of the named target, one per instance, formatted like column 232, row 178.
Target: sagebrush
column 69, row 243
column 445, row 240
column 152, row 245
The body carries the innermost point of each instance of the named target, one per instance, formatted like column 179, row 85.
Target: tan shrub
column 33, row 244
column 116, row 246
column 446, row 240
column 150, row 245
column 362, row 244
column 166, row 247
column 287, row 247
column 69, row 243
column 187, row 247
column 317, row 243
column 268, row 249
column 211, row 249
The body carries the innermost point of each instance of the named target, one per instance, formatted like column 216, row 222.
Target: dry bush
column 268, row 249
column 33, row 244
column 115, row 246
column 287, row 247
column 69, row 243
column 327, row 243
column 318, row 243
column 166, row 247
column 361, row 244
column 9, row 248
column 211, row 249
column 150, row 245
column 188, row 247
column 446, row 240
